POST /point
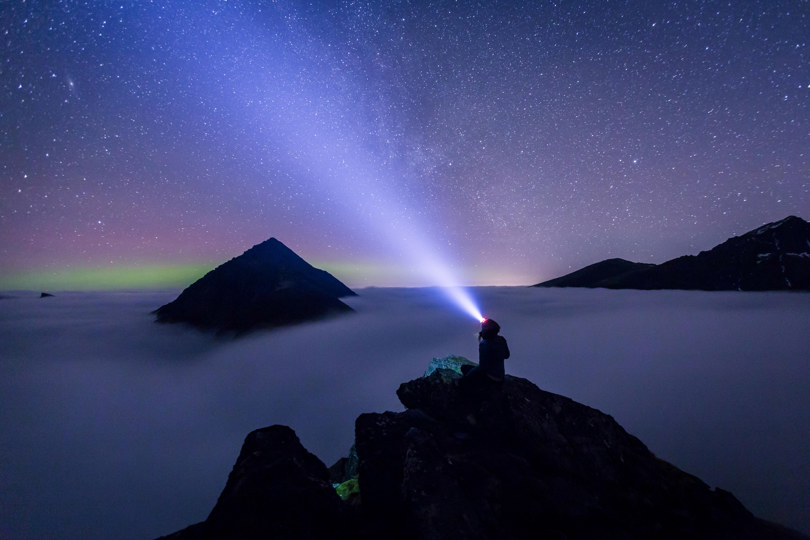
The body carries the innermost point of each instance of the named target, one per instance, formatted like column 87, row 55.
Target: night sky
column 141, row 142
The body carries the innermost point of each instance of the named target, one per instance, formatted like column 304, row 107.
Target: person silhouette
column 476, row 381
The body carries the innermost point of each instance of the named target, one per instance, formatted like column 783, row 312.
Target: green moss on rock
column 349, row 491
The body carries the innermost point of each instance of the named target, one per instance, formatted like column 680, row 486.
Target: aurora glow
column 115, row 277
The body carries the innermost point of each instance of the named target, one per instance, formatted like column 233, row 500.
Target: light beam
column 313, row 126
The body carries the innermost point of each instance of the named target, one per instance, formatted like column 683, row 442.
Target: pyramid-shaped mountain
column 265, row 287
column 773, row 257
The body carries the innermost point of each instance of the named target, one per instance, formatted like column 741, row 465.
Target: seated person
column 492, row 351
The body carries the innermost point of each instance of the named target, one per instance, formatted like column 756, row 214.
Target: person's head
column 489, row 328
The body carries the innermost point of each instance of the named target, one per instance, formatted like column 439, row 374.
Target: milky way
column 523, row 140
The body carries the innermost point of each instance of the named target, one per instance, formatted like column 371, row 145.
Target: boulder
column 277, row 489
column 525, row 463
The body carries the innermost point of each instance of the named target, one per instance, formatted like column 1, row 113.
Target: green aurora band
column 158, row 276
column 106, row 278
column 362, row 273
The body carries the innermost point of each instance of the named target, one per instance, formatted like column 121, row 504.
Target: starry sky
column 144, row 142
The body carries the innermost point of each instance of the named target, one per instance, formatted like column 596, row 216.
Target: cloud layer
column 113, row 426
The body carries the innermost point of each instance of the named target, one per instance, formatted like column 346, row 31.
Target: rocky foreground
column 522, row 464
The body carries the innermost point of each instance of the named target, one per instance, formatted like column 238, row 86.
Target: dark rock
column 345, row 468
column 277, row 489
column 601, row 273
column 452, row 362
column 775, row 256
column 534, row 465
column 265, row 287
column 45, row 295
column 521, row 463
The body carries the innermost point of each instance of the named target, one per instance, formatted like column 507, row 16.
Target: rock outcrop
column 521, row 464
column 775, row 256
column 265, row 287
column 277, row 489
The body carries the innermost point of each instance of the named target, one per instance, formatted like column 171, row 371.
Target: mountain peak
column 271, row 244
column 268, row 285
column 784, row 226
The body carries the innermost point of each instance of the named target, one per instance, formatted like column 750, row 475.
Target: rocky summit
column 265, row 287
column 514, row 463
column 775, row 256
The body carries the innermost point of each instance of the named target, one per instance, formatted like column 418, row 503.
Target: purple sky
column 511, row 141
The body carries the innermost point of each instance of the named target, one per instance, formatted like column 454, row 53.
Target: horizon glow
column 111, row 277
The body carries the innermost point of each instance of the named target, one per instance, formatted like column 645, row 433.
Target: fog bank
column 112, row 426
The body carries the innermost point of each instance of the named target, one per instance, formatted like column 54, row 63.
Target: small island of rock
column 265, row 287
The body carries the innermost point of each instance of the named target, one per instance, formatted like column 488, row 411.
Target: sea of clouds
column 113, row 426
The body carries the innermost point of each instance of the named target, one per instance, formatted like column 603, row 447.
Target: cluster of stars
column 525, row 138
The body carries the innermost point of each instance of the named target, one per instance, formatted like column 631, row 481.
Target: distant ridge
column 265, row 287
column 602, row 272
column 775, row 256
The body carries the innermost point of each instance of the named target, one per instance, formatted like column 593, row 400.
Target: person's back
column 492, row 351
column 479, row 382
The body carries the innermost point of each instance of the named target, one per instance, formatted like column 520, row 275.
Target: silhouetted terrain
column 775, row 256
column 267, row 286
column 522, row 464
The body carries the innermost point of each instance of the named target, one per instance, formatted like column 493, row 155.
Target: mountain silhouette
column 773, row 257
column 265, row 287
